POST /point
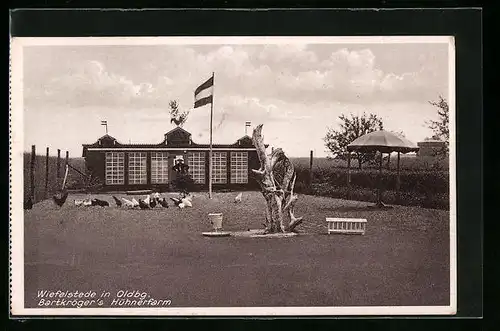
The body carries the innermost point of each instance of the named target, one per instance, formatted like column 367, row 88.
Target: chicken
column 118, row 202
column 176, row 201
column 98, row 202
column 153, row 203
column 187, row 202
column 128, row 203
column 135, row 202
column 143, row 205
column 60, row 198
column 238, row 198
column 155, row 199
column 87, row 202
column 181, row 205
column 163, row 202
column 146, row 200
column 78, row 202
column 28, row 203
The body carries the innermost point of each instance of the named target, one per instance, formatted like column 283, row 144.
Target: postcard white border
column 16, row 182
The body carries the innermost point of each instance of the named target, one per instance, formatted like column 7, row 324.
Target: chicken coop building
column 150, row 166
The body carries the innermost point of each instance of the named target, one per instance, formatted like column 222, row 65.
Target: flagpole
column 210, row 153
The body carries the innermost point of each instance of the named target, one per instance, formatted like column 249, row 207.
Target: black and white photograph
column 219, row 176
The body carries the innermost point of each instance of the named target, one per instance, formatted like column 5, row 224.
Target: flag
column 204, row 93
column 247, row 123
column 104, row 122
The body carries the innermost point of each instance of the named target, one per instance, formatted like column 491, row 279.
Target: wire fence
column 44, row 174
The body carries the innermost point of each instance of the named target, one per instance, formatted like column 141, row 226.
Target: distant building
column 146, row 166
column 430, row 147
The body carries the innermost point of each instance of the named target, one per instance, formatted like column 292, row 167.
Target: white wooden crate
column 346, row 225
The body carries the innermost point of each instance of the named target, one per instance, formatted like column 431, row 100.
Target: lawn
column 403, row 259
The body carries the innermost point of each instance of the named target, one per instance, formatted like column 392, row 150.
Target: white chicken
column 238, row 198
column 128, row 203
column 78, row 202
column 135, row 202
column 147, row 200
column 186, row 202
column 181, row 205
column 87, row 202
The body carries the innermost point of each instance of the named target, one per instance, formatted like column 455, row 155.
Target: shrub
column 183, row 182
column 426, row 188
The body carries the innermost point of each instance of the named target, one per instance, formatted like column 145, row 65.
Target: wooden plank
column 333, row 219
column 139, row 192
column 65, row 177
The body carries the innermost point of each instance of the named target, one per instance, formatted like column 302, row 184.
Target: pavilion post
column 348, row 175
column 398, row 181
column 47, row 173
column 379, row 195
column 310, row 170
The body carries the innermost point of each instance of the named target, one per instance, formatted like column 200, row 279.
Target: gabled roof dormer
column 107, row 141
column 178, row 137
column 245, row 141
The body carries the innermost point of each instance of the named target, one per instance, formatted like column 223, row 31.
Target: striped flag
column 247, row 123
column 204, row 93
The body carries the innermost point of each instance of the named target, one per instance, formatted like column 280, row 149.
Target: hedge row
column 434, row 200
column 418, row 188
column 424, row 182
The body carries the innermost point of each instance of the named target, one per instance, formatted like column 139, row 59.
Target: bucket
column 216, row 220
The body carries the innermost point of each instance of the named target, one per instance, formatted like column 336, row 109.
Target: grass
column 403, row 259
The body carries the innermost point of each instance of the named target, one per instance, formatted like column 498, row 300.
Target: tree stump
column 276, row 177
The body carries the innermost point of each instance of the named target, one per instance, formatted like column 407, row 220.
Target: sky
column 296, row 90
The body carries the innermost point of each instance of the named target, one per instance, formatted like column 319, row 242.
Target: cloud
column 149, row 77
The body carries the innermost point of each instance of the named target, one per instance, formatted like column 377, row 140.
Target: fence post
column 310, row 170
column 67, row 157
column 58, row 164
column 47, row 174
column 32, row 173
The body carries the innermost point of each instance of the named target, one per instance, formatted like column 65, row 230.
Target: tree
column 176, row 116
column 350, row 129
column 441, row 126
column 183, row 182
column 276, row 177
